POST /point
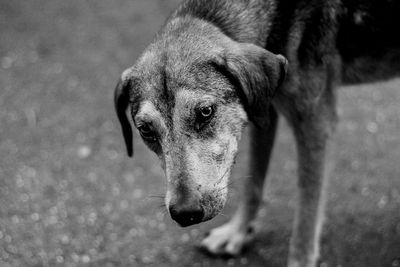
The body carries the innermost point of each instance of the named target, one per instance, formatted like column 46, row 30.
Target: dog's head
column 190, row 95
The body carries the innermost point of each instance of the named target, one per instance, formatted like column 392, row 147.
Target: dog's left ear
column 121, row 103
column 257, row 73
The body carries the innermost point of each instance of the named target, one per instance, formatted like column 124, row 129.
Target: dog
column 217, row 66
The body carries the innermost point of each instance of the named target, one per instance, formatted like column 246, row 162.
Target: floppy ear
column 121, row 103
column 257, row 73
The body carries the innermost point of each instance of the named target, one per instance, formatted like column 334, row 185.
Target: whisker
column 162, row 209
column 164, row 212
column 220, row 179
column 222, row 188
column 154, row 196
column 243, row 177
column 229, row 184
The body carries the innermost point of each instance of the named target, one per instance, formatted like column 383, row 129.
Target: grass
column 70, row 197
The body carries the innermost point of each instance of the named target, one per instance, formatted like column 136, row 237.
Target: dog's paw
column 227, row 240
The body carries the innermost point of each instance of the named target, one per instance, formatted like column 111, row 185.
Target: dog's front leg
column 230, row 238
column 312, row 137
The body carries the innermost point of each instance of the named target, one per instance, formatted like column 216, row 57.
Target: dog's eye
column 147, row 133
column 204, row 116
column 206, row 112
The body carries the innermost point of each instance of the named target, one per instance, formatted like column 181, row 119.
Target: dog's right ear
column 256, row 74
column 121, row 103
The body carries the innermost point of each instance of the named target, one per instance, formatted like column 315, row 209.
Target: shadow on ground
column 70, row 197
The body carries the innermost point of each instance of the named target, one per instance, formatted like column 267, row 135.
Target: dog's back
column 368, row 40
column 362, row 33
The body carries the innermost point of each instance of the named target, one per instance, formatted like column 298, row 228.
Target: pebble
column 185, row 238
column 65, row 239
column 382, row 202
column 85, row 259
column 60, row 259
column 84, row 152
column 35, row 217
column 396, row 262
column 372, row 127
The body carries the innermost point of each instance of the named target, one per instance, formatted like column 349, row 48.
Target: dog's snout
column 186, row 215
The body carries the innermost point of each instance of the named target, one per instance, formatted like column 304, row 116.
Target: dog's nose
column 186, row 215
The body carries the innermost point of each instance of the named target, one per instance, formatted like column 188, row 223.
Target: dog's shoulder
column 241, row 20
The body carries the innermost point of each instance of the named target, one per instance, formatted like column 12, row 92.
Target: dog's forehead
column 178, row 48
column 190, row 98
column 162, row 80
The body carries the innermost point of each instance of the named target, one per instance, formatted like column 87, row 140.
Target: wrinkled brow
column 192, row 98
column 147, row 113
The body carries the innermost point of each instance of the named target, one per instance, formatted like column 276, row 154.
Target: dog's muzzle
column 186, row 215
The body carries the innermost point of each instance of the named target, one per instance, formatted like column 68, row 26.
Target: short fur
column 229, row 58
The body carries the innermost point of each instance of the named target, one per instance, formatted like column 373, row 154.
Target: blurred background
column 69, row 195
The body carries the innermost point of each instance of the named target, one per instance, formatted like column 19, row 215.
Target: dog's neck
column 242, row 20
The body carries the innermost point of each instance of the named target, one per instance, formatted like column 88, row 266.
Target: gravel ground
column 69, row 196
